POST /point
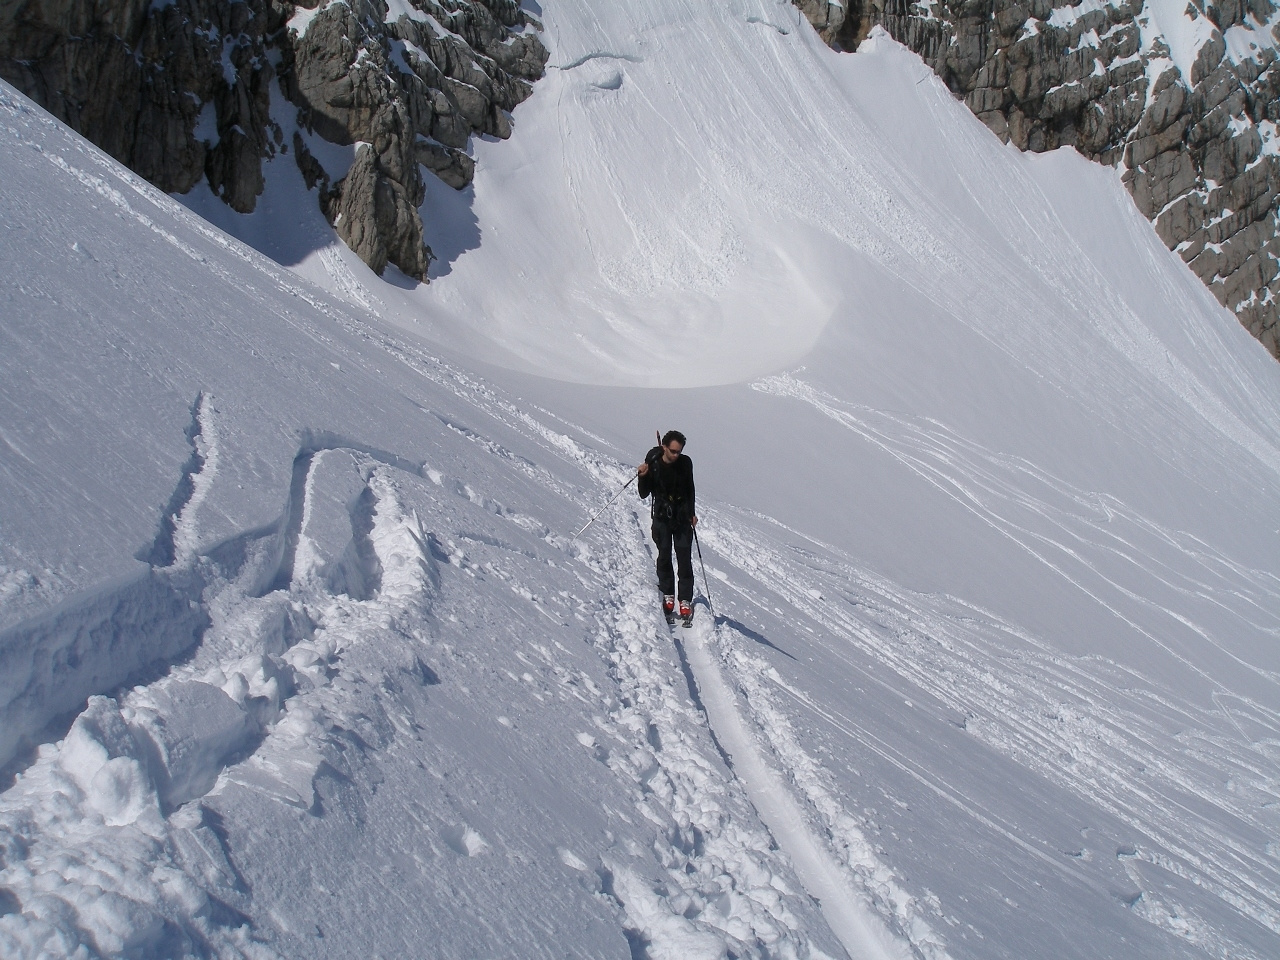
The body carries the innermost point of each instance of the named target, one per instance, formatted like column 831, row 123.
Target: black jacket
column 671, row 486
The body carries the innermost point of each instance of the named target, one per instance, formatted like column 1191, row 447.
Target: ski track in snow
column 861, row 931
column 628, row 642
column 863, row 934
column 1062, row 526
column 262, row 695
column 820, row 872
column 1042, row 709
column 265, row 689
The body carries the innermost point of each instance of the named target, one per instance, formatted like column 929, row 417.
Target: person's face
column 671, row 452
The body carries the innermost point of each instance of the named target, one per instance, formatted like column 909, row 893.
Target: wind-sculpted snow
column 693, row 194
column 1085, row 537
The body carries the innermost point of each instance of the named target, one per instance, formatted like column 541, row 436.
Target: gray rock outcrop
column 195, row 91
column 1196, row 142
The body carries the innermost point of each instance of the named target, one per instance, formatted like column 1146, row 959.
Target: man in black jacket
column 668, row 474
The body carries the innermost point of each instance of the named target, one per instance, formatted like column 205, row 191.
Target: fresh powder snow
column 299, row 656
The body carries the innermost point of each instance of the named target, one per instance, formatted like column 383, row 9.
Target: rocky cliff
column 185, row 91
column 1182, row 95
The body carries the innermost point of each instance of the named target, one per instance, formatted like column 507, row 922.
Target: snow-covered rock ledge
column 197, row 95
column 1183, row 97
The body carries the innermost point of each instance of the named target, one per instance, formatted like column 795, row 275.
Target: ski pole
column 705, row 582
column 602, row 509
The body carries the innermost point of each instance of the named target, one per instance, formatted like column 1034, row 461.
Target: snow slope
column 413, row 712
column 299, row 657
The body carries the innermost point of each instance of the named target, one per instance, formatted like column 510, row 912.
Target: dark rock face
column 183, row 92
column 1197, row 143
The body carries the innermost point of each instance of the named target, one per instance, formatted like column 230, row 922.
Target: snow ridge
column 178, row 536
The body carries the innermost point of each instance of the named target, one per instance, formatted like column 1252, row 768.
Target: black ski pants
column 680, row 537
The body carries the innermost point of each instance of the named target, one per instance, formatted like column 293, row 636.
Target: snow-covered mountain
column 360, row 100
column 1183, row 96
column 356, row 97
column 301, row 657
